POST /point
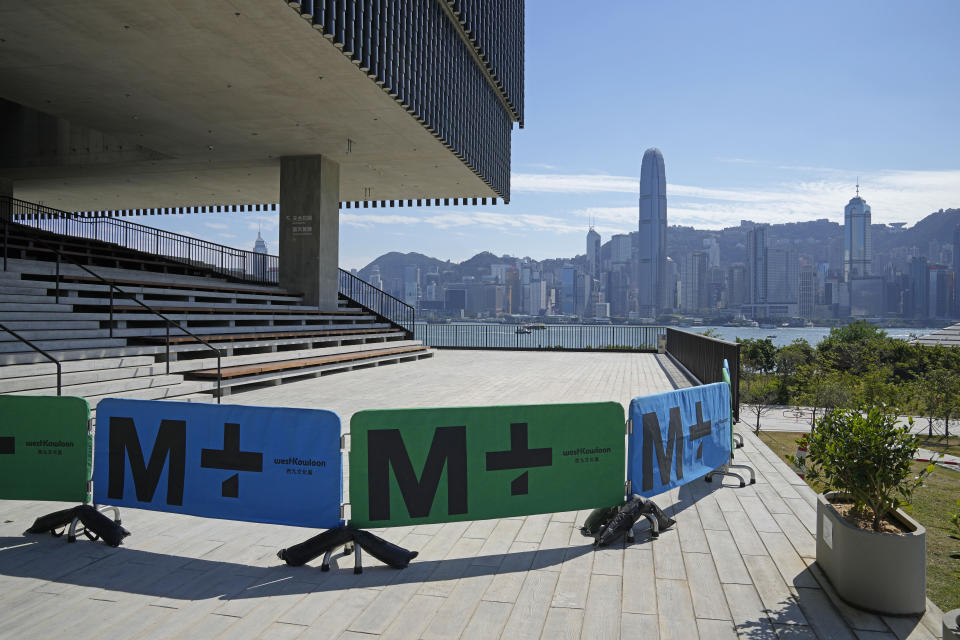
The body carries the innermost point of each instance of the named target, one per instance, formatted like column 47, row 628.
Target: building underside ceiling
column 190, row 103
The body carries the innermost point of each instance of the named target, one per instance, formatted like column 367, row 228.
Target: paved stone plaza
column 739, row 562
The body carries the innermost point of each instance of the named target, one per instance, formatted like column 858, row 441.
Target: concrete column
column 310, row 228
column 6, row 189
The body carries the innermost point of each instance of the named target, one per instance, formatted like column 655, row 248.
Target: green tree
column 757, row 391
column 857, row 347
column 789, row 361
column 757, row 354
column 823, row 390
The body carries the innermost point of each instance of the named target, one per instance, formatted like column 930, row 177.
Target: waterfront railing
column 574, row 337
column 703, row 357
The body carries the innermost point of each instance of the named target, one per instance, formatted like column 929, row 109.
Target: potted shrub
column 872, row 552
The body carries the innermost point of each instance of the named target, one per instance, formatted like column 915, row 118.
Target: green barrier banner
column 46, row 449
column 416, row 466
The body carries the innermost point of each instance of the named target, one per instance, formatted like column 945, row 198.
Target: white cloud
column 503, row 222
column 367, row 221
column 573, row 183
column 894, row 196
column 216, row 225
column 737, row 161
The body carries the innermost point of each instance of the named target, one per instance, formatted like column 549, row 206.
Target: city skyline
column 754, row 271
column 773, row 138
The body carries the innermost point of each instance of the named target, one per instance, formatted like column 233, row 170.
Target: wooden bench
column 235, row 337
column 299, row 363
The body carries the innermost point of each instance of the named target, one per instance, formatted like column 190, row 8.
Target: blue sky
column 764, row 110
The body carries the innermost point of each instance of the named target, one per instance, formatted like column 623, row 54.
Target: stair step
column 69, row 366
column 35, row 307
column 109, row 387
column 38, row 323
column 73, row 378
column 172, row 392
column 20, row 290
column 61, row 315
column 32, row 299
column 61, row 345
column 81, row 354
column 72, row 334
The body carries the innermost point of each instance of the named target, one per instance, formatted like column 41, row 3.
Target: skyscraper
column 652, row 249
column 260, row 246
column 757, row 264
column 857, row 243
column 593, row 253
column 693, row 282
column 736, row 284
column 956, row 272
column 782, row 275
column 919, row 287
column 807, row 289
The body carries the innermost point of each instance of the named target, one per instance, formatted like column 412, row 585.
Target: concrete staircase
column 265, row 336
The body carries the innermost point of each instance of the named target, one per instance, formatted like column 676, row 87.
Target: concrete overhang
column 179, row 103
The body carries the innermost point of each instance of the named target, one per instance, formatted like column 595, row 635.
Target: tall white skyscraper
column 652, row 248
column 593, row 253
column 857, row 241
column 260, row 246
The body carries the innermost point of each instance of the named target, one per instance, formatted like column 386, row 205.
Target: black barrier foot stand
column 326, row 560
column 753, row 477
column 738, row 440
column 357, row 561
column 115, row 510
column 654, row 525
column 72, row 533
column 725, row 471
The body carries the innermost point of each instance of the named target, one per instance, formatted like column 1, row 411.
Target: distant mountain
column 936, row 227
column 815, row 241
column 392, row 265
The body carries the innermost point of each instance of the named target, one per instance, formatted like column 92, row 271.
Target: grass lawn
column 932, row 505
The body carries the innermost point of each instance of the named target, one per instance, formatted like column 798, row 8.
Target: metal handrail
column 202, row 254
column 38, row 350
column 125, row 294
column 219, row 258
column 377, row 301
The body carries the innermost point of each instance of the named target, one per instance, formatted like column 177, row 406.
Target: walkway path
column 739, row 562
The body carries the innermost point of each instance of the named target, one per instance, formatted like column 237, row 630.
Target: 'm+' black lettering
column 653, row 441
column 171, row 443
column 385, row 449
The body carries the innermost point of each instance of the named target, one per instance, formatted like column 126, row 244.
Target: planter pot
column 880, row 572
column 951, row 625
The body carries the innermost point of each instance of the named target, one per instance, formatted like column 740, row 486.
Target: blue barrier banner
column 677, row 437
column 260, row 464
